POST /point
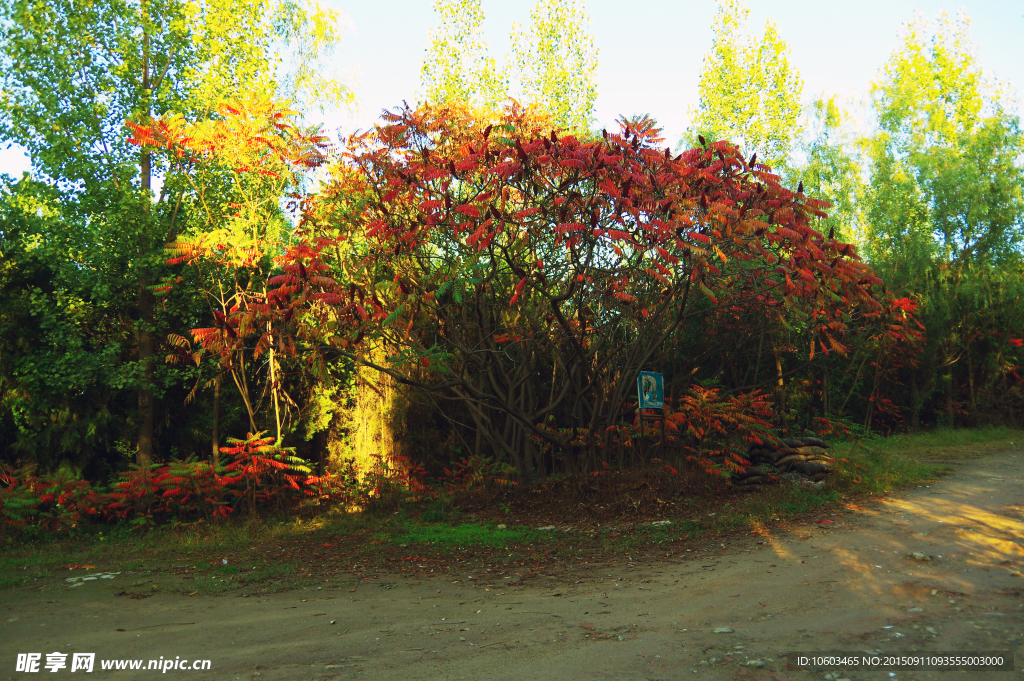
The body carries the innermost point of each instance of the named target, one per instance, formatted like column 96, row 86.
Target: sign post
column 650, row 389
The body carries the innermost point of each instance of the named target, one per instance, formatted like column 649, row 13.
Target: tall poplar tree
column 749, row 91
column 555, row 59
column 552, row 64
column 457, row 66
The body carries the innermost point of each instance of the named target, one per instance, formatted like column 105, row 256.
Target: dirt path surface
column 833, row 582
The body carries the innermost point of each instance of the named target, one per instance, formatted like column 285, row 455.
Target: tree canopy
column 191, row 260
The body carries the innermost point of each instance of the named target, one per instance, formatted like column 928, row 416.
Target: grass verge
column 279, row 555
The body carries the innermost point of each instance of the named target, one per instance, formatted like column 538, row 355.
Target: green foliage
column 749, row 92
column 556, row 62
column 948, row 147
column 306, row 39
column 831, row 170
column 945, row 218
column 83, row 245
column 552, row 63
column 457, row 67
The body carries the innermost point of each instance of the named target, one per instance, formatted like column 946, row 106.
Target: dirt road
column 835, row 582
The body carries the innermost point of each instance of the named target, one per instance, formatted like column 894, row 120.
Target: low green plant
column 271, row 572
column 436, row 512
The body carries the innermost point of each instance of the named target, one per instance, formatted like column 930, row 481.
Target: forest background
column 157, row 299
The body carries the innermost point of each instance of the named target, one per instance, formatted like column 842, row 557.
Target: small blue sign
column 651, row 390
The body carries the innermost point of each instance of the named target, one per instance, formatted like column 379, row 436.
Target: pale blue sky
column 651, row 50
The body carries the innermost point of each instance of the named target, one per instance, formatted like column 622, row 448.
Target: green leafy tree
column 457, row 67
column 945, row 210
column 556, row 62
column 749, row 92
column 72, row 73
column 553, row 61
column 830, row 170
column 947, row 132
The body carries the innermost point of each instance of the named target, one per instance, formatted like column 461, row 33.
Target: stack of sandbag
column 794, row 458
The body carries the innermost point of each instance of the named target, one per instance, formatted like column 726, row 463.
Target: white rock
column 722, row 630
column 547, row 528
column 917, row 555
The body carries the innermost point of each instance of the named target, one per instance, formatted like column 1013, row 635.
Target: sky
column 650, row 51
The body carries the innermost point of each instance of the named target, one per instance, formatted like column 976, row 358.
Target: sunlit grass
column 881, row 465
column 949, row 443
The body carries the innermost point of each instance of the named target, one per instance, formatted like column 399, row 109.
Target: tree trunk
column 273, row 388
column 144, row 325
column 144, row 450
column 780, row 393
column 915, row 401
column 970, row 387
column 216, row 422
column 825, row 403
column 949, row 400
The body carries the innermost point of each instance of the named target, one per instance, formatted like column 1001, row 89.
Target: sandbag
column 759, row 454
column 754, row 470
column 810, row 468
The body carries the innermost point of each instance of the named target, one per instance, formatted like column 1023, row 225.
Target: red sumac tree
column 530, row 275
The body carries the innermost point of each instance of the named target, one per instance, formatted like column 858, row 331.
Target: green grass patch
column 274, row 577
column 882, row 465
column 947, row 443
column 33, row 563
column 6, row 582
column 39, row 560
column 467, row 536
column 271, row 572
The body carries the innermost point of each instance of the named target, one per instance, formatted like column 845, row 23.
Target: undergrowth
column 699, row 510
